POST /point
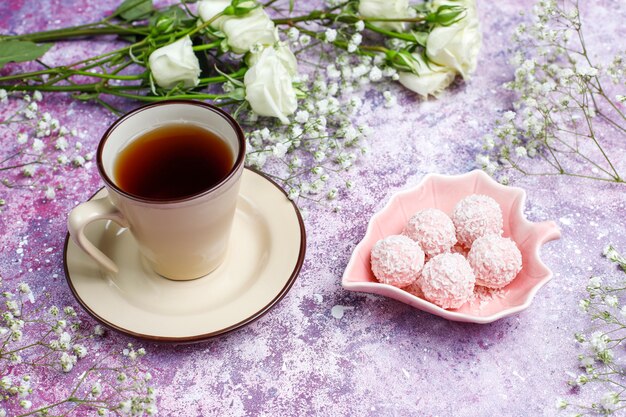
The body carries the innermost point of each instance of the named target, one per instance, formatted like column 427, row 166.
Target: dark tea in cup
column 173, row 161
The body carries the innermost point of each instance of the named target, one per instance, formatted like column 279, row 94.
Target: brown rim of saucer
column 239, row 160
column 202, row 337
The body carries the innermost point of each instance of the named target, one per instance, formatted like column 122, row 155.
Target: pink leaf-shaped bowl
column 443, row 192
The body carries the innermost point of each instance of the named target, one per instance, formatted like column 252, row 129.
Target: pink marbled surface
column 382, row 358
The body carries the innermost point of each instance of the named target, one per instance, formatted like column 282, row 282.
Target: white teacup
column 181, row 238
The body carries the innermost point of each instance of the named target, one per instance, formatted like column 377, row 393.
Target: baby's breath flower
column 304, row 39
column 611, row 300
column 293, row 34
column 22, row 138
column 594, row 282
column 29, row 170
column 96, row 389
column 80, row 351
column 50, row 193
column 561, row 404
column 330, row 35
column 78, row 161
column 67, row 361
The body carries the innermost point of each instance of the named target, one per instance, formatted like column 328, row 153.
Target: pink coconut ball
column 397, row 260
column 496, row 261
column 433, row 230
column 475, row 216
column 447, row 280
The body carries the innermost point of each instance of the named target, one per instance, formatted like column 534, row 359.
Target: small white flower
column 332, row 72
column 29, row 170
column 293, row 194
column 330, row 35
column 375, row 74
column 98, row 330
column 80, row 351
column 38, row 145
column 22, row 138
column 3, row 95
column 6, row 382
column 293, row 34
column 509, row 115
column 25, row 404
column 521, row 151
column 62, row 159
column 390, row 99
column 67, row 361
column 302, row 116
column 96, row 389
column 78, row 161
column 611, row 300
column 609, row 401
column 359, row 26
column 561, row 404
column 32, row 106
column 125, row 406
column 37, row 96
column 304, row 39
column 24, row 288
column 599, row 341
column 280, row 149
column 595, row 282
column 356, row 39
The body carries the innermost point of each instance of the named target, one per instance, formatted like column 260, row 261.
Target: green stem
column 76, row 32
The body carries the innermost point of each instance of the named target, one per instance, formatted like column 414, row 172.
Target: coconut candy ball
column 397, row 260
column 496, row 261
column 475, row 216
column 447, row 280
column 433, row 230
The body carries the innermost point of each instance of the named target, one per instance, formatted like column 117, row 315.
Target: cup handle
column 88, row 212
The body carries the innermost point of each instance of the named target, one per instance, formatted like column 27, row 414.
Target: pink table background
column 381, row 358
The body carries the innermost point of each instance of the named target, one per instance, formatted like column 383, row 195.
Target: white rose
column 241, row 31
column 284, row 54
column 430, row 79
column 254, row 27
column 174, row 63
column 456, row 46
column 385, row 9
column 268, row 87
column 208, row 9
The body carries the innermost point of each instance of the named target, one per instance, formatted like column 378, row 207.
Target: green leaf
column 237, row 94
column 170, row 19
column 21, row 51
column 292, row 3
column 229, row 78
column 131, row 10
column 420, row 37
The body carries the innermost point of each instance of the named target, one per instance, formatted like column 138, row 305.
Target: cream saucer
column 265, row 255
